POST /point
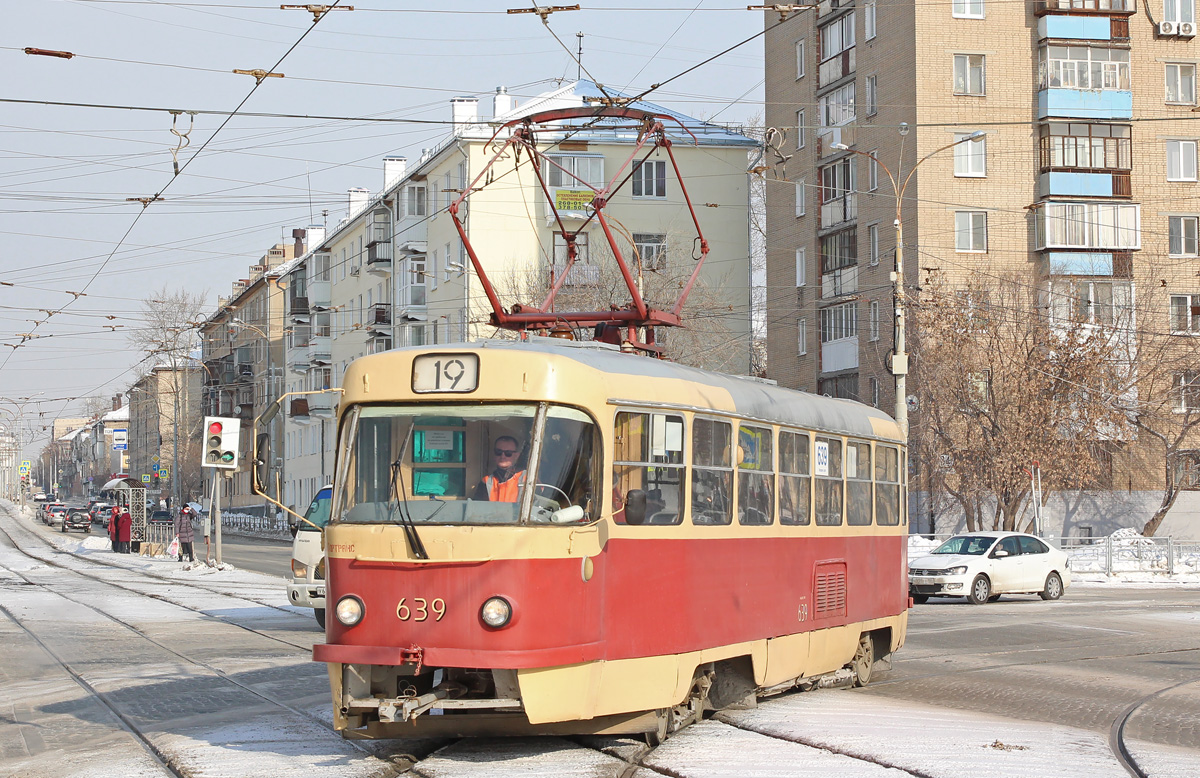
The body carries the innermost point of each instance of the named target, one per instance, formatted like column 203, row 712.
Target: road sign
column 164, row 472
column 23, row 470
column 154, row 459
column 145, row 478
column 120, row 447
column 25, row 463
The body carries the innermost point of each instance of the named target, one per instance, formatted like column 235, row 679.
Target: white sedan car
column 981, row 566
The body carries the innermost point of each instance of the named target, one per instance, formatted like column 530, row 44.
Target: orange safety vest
column 504, row 491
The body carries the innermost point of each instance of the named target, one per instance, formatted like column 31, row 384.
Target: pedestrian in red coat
column 124, row 526
column 113, row 520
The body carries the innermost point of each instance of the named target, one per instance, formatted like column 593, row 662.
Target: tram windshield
column 468, row 464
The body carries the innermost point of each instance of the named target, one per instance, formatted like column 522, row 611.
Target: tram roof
column 752, row 398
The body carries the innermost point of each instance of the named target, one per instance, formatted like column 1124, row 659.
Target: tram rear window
column 468, row 464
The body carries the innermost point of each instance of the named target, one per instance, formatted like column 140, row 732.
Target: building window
column 872, row 97
column 970, row 157
column 874, row 384
column 447, row 190
column 1084, row 301
column 801, row 266
column 839, row 322
column 837, row 36
column 1182, row 235
column 802, row 336
column 1100, row 226
column 872, row 171
column 582, row 256
column 1179, row 11
column 968, row 74
column 873, row 244
column 650, row 178
column 416, row 202
column 1181, row 83
column 574, row 172
column 838, row 200
column 1181, row 160
column 799, row 59
column 434, row 267
column 1185, row 314
column 839, row 250
column 967, row 9
column 800, row 129
column 1187, row 391
column 869, row 19
column 970, row 231
column 1080, row 146
column 874, row 320
column 800, row 204
column 652, row 248
column 836, row 108
column 1083, row 67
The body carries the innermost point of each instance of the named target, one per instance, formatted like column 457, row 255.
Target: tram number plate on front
column 420, row 609
column 445, row 373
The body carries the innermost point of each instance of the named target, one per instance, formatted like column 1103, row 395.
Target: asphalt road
column 273, row 557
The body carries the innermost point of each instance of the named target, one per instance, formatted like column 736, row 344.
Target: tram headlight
column 349, row 610
column 496, row 612
column 957, row 570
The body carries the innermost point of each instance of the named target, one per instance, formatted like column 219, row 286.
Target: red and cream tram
column 678, row 540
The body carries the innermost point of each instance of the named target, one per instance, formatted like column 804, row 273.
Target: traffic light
column 221, row 442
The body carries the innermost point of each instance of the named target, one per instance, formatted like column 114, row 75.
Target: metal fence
column 258, row 526
column 1111, row 555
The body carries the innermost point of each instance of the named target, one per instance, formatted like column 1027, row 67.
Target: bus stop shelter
column 131, row 495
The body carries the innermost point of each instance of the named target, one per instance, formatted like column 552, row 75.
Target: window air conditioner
column 1166, row 28
column 1187, row 29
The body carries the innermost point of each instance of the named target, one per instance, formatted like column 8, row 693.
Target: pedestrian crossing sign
column 145, row 478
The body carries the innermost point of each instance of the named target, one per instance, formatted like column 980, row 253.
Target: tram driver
column 504, row 483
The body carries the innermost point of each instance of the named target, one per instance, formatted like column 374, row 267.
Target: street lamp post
column 899, row 364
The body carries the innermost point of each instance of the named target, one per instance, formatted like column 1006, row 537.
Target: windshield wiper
column 401, row 505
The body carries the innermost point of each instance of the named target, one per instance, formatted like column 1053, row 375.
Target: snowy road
column 119, row 665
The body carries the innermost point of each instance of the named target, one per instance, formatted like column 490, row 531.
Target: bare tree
column 168, row 338
column 1001, row 390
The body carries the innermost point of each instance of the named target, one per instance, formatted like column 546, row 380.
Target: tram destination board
column 445, row 373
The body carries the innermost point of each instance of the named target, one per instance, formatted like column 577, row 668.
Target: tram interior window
column 756, row 476
column 795, row 479
column 828, row 484
column 887, row 486
column 858, row 484
column 712, row 471
column 647, row 468
column 439, row 458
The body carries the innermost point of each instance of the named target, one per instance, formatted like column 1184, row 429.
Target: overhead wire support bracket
column 317, row 10
column 184, row 140
column 544, row 11
column 783, row 9
column 145, row 201
column 48, row 53
column 259, row 74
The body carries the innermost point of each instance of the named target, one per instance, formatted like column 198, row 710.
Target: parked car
column 99, row 512
column 77, row 518
column 982, row 566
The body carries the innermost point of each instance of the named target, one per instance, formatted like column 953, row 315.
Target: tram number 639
column 421, row 609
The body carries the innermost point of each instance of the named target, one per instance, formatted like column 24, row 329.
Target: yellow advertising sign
column 573, row 199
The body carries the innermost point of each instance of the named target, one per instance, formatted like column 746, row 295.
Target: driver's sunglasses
column 505, row 452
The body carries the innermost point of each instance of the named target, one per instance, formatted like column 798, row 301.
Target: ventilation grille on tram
column 831, row 590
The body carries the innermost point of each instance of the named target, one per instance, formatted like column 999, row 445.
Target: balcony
column 298, row 410
column 839, row 282
column 839, row 210
column 1088, row 7
column 319, row 351
column 1056, row 183
column 298, row 306
column 318, row 295
column 839, row 355
column 826, row 7
column 297, row 359
column 1085, row 103
column 379, row 257
column 836, row 67
column 379, row 319
column 322, row 406
column 581, row 274
column 1083, row 28
column 827, row 136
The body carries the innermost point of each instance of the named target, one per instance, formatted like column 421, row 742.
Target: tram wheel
column 863, row 662
column 662, row 729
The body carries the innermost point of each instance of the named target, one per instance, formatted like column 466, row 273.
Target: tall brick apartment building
column 1085, row 179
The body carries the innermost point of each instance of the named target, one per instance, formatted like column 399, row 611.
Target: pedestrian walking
column 185, row 533
column 113, row 520
column 124, row 526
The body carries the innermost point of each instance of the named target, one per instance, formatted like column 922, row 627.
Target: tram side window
column 828, row 484
column 795, row 480
column 712, row 471
column 887, row 486
column 647, row 468
column 904, row 489
column 756, row 476
column 858, row 484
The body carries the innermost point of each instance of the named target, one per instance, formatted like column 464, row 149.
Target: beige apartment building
column 1082, row 177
